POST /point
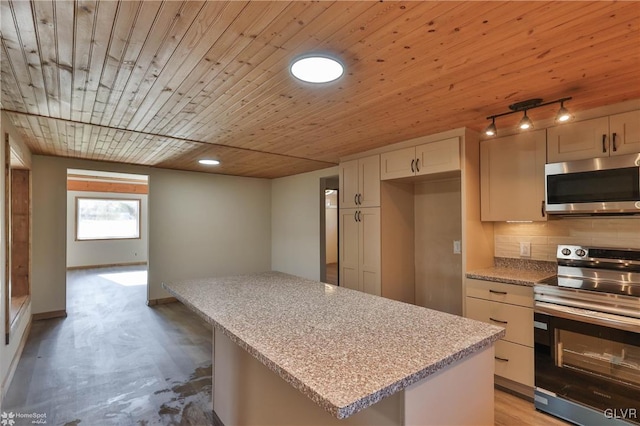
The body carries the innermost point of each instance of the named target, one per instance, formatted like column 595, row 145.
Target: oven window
column 611, row 360
column 614, row 185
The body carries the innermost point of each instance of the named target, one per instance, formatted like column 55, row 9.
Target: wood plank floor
column 116, row 361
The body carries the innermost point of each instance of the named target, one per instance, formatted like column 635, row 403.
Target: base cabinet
column 360, row 249
column 509, row 306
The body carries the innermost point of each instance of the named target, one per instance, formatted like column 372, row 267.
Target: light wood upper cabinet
column 435, row 157
column 360, row 249
column 360, row 182
column 512, row 177
column 601, row 137
column 626, row 128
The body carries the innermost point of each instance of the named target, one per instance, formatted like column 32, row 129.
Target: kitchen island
column 288, row 350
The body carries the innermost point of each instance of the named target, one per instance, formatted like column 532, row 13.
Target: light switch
column 457, row 247
column 525, row 249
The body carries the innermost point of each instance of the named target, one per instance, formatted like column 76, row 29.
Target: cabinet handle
column 604, row 145
column 542, row 212
column 412, row 162
column 355, row 199
column 359, row 216
column 613, row 141
column 417, row 165
column 355, row 216
column 498, row 321
column 497, row 292
column 501, row 359
column 359, row 199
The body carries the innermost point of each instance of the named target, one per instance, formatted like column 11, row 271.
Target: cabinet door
column 398, row 164
column 369, row 181
column 369, row 248
column 512, row 177
column 348, row 172
column 438, row 157
column 626, row 128
column 578, row 141
column 349, row 249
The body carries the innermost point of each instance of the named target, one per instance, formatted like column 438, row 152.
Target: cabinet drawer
column 514, row 362
column 500, row 292
column 517, row 320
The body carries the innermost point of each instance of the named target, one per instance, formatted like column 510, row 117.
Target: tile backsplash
column 544, row 237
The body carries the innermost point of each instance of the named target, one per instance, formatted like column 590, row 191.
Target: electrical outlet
column 457, row 247
column 525, row 249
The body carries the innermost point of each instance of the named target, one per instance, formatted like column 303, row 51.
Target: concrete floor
column 114, row 360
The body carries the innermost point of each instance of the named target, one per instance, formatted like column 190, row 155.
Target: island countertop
column 344, row 349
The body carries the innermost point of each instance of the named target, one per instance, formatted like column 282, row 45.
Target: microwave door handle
column 604, row 143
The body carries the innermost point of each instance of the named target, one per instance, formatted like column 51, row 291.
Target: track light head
column 491, row 128
column 525, row 123
column 563, row 114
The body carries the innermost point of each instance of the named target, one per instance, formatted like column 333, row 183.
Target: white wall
column 105, row 252
column 200, row 224
column 295, row 224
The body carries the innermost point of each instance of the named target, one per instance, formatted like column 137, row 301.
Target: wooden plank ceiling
column 166, row 83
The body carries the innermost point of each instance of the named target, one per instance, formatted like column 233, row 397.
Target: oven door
column 587, row 369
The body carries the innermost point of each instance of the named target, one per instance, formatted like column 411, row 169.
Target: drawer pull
column 498, row 321
column 501, row 359
column 497, row 292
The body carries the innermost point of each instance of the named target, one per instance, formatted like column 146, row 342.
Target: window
column 107, row 218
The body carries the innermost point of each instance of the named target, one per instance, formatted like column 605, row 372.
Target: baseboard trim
column 110, row 265
column 514, row 388
column 49, row 315
column 162, row 301
column 14, row 361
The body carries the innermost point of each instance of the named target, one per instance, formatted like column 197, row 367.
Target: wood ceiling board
column 250, row 164
column 218, row 71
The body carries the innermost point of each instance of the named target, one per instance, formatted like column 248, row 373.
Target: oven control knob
column 566, row 251
column 581, row 252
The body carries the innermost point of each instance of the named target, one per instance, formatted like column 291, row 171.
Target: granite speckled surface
column 515, row 271
column 344, row 349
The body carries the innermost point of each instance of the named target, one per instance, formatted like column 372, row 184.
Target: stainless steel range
column 587, row 337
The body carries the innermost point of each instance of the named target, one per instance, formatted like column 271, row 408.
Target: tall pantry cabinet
column 359, row 224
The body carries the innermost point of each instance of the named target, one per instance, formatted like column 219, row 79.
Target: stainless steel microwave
column 606, row 185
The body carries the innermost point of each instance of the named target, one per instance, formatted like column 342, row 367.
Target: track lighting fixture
column 562, row 116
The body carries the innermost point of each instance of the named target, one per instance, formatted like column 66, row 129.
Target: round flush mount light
column 316, row 69
column 208, row 162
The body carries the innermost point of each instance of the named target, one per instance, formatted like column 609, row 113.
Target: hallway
column 114, row 360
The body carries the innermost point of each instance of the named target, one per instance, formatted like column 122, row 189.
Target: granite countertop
column 515, row 271
column 344, row 349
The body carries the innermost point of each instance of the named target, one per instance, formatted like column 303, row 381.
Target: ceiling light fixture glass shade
column 563, row 114
column 317, row 69
column 208, row 162
column 491, row 129
column 525, row 123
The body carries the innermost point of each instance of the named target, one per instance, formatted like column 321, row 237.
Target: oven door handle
column 576, row 314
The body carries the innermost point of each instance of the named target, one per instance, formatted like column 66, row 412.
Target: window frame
column 77, row 213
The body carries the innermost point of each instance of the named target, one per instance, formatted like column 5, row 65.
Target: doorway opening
column 329, row 230
column 17, row 228
column 107, row 236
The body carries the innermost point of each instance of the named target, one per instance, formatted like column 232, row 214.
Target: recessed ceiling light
column 208, row 162
column 316, row 69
